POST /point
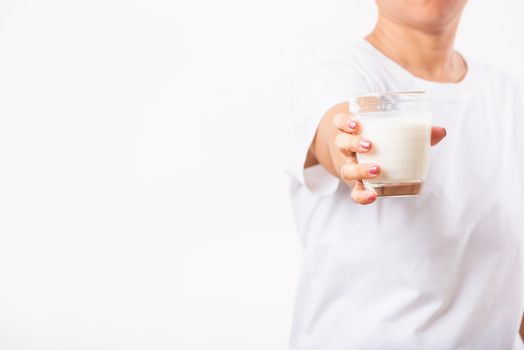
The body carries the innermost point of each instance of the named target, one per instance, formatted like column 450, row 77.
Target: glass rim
column 390, row 101
column 391, row 93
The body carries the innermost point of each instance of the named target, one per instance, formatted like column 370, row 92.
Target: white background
column 142, row 203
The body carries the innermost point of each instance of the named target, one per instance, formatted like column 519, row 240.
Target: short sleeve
column 519, row 130
column 513, row 171
column 323, row 81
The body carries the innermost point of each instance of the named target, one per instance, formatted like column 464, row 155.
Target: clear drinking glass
column 399, row 126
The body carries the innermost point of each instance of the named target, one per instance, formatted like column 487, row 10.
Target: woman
column 439, row 271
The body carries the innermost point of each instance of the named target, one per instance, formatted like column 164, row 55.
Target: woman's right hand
column 337, row 143
column 346, row 144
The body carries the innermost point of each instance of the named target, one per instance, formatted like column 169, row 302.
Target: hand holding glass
column 399, row 126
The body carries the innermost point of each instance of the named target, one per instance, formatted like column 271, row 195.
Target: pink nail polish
column 352, row 124
column 365, row 144
column 372, row 197
column 373, row 170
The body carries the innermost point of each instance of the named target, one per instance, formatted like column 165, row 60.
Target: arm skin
column 323, row 143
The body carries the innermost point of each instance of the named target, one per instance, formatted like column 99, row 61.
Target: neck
column 426, row 54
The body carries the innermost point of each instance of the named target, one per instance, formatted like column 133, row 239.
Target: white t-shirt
column 440, row 271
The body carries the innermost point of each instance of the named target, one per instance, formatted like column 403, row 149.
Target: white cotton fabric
column 440, row 271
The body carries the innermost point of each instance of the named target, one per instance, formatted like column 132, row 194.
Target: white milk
column 401, row 142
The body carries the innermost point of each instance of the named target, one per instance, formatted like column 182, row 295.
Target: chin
column 430, row 14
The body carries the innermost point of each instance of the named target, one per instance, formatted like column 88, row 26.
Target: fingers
column 362, row 196
column 437, row 134
column 349, row 143
column 345, row 122
column 354, row 171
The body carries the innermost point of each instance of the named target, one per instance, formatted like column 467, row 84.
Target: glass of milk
column 399, row 126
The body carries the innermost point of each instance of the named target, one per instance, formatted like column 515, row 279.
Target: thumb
column 437, row 134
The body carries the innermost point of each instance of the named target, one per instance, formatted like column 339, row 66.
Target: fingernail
column 372, row 197
column 445, row 132
column 352, row 124
column 365, row 144
column 373, row 170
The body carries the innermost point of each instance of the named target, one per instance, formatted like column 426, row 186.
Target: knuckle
column 348, row 171
column 344, row 172
column 355, row 139
column 339, row 119
column 341, row 141
column 355, row 171
column 338, row 115
column 348, row 142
